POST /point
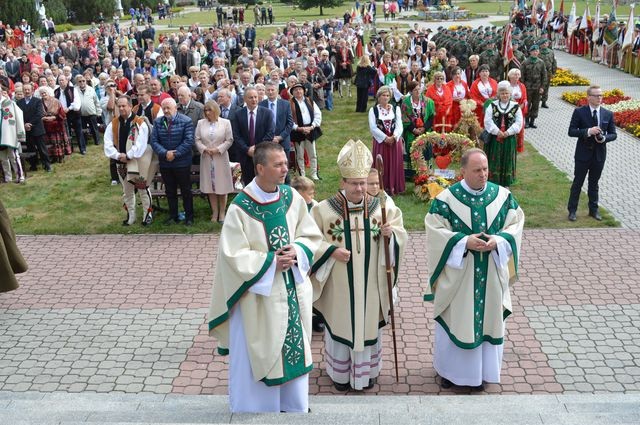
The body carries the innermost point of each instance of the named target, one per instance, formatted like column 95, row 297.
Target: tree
column 14, row 11
column 308, row 4
column 88, row 10
column 57, row 10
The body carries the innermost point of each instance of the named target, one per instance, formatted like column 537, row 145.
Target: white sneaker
column 114, row 182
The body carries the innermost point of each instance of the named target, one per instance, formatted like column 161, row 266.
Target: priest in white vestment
column 261, row 301
column 349, row 276
column 474, row 229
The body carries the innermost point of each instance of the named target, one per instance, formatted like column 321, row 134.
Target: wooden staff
column 387, row 259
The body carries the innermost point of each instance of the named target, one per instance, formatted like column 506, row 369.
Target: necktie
column 273, row 111
column 225, row 113
column 595, row 117
column 252, row 130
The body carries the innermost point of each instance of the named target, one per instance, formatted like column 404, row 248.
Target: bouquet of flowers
column 236, row 176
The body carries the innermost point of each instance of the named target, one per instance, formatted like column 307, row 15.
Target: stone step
column 32, row 408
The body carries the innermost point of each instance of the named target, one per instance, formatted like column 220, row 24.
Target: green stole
column 273, row 215
column 478, row 206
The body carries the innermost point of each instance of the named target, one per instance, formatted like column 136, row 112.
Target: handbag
column 485, row 137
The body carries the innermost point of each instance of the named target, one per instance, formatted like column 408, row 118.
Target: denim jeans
column 328, row 97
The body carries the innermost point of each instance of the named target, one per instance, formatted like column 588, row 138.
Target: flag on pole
column 507, row 48
column 561, row 11
column 628, row 36
column 611, row 30
column 548, row 13
column 596, row 24
column 571, row 22
column 585, row 23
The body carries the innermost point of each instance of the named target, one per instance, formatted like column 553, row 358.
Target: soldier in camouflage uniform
column 546, row 54
column 534, row 75
column 518, row 55
column 492, row 58
column 461, row 51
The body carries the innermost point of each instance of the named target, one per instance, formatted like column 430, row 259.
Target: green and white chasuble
column 470, row 290
column 353, row 297
column 276, row 322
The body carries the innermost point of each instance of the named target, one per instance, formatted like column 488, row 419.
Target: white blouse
column 385, row 115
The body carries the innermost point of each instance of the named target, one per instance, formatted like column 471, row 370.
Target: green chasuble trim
column 273, row 216
column 236, row 296
column 307, row 251
column 465, row 345
column 478, row 206
column 323, row 259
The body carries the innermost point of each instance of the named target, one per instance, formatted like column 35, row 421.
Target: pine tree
column 308, row 4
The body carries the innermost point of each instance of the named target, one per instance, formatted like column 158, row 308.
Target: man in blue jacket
column 594, row 127
column 172, row 139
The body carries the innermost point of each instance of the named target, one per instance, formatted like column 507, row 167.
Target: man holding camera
column 594, row 127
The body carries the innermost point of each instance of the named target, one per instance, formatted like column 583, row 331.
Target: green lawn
column 77, row 197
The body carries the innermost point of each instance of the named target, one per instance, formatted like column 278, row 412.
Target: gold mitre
column 354, row 160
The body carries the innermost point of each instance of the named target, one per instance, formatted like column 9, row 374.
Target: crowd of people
column 209, row 98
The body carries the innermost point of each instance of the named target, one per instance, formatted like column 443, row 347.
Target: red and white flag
column 507, row 48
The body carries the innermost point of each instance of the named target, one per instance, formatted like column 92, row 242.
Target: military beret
column 515, row 42
column 534, row 47
column 542, row 41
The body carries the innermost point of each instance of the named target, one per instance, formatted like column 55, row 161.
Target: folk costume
column 260, row 317
column 519, row 94
column 352, row 298
column 415, row 115
column 470, row 289
column 130, row 136
column 11, row 260
column 459, row 92
column 12, row 134
column 481, row 92
column 443, row 100
column 501, row 152
column 385, row 122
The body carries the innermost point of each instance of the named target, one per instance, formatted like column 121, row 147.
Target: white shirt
column 306, row 116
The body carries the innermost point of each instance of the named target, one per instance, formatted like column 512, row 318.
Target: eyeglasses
column 111, row 86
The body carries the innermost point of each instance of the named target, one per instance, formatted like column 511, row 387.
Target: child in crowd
column 306, row 188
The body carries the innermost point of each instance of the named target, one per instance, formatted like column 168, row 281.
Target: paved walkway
column 621, row 170
column 127, row 314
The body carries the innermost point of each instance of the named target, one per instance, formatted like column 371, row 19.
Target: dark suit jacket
column 263, row 132
column 587, row 147
column 284, row 122
column 33, row 113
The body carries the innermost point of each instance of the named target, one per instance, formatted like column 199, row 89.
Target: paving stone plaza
column 82, row 344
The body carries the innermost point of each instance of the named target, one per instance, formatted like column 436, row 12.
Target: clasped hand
column 481, row 242
column 286, row 257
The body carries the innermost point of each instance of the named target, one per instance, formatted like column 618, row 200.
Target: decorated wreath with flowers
column 441, row 149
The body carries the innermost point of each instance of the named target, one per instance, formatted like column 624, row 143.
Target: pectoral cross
column 357, row 236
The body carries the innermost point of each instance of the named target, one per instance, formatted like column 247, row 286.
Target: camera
column 599, row 138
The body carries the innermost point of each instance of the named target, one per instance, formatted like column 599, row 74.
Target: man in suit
column 33, row 111
column 282, row 118
column 251, row 125
column 594, row 127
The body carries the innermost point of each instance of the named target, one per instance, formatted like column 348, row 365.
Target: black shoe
column 533, row 124
column 342, row 387
column 83, row 152
column 544, row 105
column 148, row 220
column 188, row 222
column 317, row 324
column 446, row 384
column 526, row 123
column 572, row 216
column 125, row 223
column 370, row 385
column 170, row 221
column 478, row 388
column 595, row 215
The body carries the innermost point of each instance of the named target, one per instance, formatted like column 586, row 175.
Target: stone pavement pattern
column 621, row 170
column 139, row 326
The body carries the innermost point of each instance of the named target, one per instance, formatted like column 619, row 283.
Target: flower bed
column 626, row 111
column 579, row 98
column 564, row 77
